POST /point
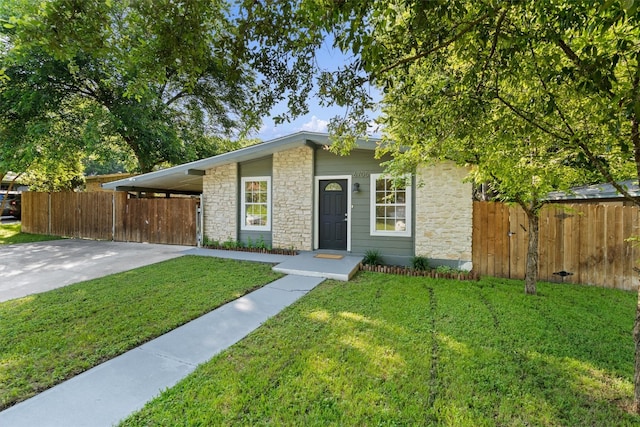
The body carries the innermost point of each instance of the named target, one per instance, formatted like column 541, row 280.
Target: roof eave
column 243, row 154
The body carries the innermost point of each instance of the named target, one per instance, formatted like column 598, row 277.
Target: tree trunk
column 531, row 274
column 636, row 339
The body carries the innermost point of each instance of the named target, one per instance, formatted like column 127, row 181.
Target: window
column 256, row 203
column 390, row 206
column 334, row 186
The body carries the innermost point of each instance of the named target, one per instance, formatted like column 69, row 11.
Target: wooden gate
column 111, row 216
column 170, row 221
column 587, row 240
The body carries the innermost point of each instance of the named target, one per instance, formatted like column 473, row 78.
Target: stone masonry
column 444, row 213
column 292, row 199
column 220, row 190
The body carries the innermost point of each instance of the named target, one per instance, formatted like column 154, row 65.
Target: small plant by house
column 258, row 245
column 372, row 261
column 372, row 257
column 420, row 263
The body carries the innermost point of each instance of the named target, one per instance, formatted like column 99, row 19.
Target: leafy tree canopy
column 162, row 79
column 536, row 95
column 566, row 70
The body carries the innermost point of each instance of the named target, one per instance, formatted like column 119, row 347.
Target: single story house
column 604, row 193
column 11, row 180
column 292, row 192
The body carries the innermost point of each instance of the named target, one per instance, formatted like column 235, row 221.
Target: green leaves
column 168, row 75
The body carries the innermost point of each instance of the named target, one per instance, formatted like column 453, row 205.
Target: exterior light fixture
column 356, row 187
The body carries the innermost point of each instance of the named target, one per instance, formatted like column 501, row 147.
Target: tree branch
column 635, row 131
column 533, row 123
column 597, row 162
column 584, row 68
column 563, row 118
column 83, row 90
column 494, row 45
column 468, row 27
column 177, row 96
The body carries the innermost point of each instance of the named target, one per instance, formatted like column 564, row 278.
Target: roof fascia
column 243, row 154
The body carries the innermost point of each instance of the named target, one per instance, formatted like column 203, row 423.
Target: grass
column 389, row 350
column 49, row 337
column 11, row 233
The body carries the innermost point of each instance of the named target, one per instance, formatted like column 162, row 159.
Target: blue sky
column 318, row 117
column 315, row 121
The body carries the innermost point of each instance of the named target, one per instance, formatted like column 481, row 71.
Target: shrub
column 445, row 269
column 372, row 257
column 420, row 263
column 231, row 244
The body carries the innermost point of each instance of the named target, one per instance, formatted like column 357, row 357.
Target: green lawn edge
column 388, row 350
column 50, row 337
column 11, row 234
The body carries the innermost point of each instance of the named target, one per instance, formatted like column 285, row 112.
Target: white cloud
column 315, row 125
column 374, row 129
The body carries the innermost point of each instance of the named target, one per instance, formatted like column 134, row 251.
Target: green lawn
column 393, row 350
column 10, row 233
column 50, row 337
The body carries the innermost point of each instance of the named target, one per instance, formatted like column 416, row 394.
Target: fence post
column 49, row 214
column 199, row 224
column 113, row 216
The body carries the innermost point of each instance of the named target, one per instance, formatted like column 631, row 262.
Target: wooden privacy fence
column 111, row 216
column 587, row 240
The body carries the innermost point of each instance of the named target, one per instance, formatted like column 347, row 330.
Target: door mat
column 329, row 256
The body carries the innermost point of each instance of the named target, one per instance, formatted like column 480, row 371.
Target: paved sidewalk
column 113, row 390
column 239, row 255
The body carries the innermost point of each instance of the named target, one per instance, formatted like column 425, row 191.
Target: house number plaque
column 361, row 174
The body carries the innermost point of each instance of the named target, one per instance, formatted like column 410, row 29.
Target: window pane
column 334, row 186
column 391, row 207
column 252, row 219
column 255, row 203
column 392, row 197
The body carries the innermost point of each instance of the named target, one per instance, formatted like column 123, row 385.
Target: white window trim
column 408, row 207
column 243, row 206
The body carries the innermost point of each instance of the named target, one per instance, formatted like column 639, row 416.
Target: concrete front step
column 310, row 265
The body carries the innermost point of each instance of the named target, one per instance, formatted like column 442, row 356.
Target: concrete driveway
column 30, row 268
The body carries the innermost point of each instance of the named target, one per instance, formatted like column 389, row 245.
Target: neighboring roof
column 187, row 178
column 107, row 176
column 596, row 191
column 10, row 177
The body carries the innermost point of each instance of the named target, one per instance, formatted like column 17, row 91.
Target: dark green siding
column 258, row 167
column 360, row 165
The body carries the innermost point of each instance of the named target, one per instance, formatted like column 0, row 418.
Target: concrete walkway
column 108, row 393
column 338, row 265
column 113, row 390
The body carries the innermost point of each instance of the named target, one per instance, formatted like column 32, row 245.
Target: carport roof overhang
column 187, row 178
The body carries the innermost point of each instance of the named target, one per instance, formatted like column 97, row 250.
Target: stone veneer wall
column 292, row 199
column 444, row 213
column 220, row 194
